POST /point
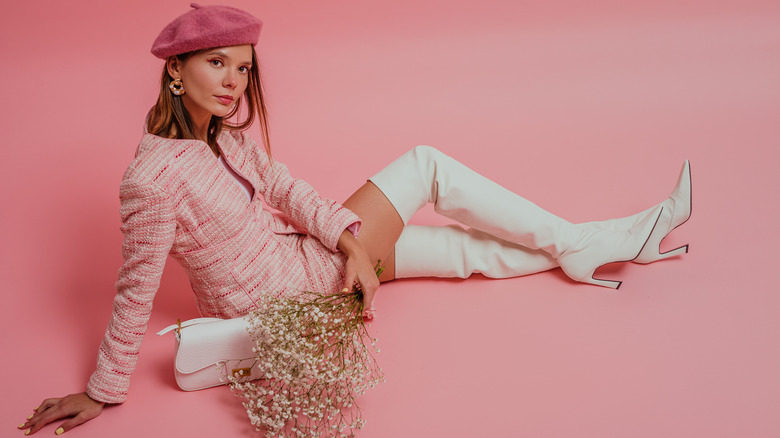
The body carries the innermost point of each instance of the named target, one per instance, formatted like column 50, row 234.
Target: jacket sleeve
column 149, row 227
column 323, row 218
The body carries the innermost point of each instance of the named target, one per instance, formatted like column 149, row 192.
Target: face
column 213, row 79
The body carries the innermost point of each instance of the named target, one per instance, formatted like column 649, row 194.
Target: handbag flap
column 204, row 345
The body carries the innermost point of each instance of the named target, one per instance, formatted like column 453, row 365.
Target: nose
column 230, row 80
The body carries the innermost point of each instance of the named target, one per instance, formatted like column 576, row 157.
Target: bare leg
column 381, row 225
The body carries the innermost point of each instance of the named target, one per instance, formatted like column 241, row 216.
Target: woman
column 196, row 187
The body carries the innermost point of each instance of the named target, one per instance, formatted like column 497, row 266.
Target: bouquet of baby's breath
column 315, row 356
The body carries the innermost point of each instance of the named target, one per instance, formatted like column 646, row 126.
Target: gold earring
column 177, row 87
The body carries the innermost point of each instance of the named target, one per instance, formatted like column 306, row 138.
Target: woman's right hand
column 79, row 406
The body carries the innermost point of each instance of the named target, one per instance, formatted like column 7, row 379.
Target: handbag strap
column 180, row 325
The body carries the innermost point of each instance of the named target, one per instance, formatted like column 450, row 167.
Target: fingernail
column 59, row 431
column 21, row 425
column 27, row 432
column 36, row 408
column 345, row 290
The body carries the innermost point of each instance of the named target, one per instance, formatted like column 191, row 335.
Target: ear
column 174, row 64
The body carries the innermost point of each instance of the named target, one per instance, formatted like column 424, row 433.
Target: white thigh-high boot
column 451, row 251
column 425, row 175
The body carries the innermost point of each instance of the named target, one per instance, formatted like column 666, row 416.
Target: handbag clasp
column 241, row 372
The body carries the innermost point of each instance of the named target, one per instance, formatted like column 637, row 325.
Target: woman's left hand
column 358, row 269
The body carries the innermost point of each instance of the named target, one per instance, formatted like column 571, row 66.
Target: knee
column 427, row 153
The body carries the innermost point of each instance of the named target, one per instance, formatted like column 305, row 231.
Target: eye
column 244, row 69
column 216, row 62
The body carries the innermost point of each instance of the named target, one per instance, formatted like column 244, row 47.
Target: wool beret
column 205, row 27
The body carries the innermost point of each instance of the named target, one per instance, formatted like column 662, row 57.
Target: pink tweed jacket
column 177, row 199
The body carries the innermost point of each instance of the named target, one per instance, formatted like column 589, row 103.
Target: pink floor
column 587, row 108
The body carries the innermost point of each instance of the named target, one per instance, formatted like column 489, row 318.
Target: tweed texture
column 176, row 198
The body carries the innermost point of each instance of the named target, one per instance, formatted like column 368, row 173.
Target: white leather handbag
column 208, row 348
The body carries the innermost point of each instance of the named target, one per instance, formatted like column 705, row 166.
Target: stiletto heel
column 605, row 283
column 663, row 255
column 677, row 211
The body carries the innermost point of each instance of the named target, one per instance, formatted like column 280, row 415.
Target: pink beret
column 205, row 27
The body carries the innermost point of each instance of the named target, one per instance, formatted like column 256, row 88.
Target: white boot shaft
column 424, row 175
column 452, row 252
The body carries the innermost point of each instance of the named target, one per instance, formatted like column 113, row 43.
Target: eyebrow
column 225, row 55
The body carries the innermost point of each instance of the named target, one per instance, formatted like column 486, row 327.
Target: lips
column 225, row 100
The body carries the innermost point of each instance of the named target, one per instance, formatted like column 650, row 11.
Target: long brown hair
column 169, row 118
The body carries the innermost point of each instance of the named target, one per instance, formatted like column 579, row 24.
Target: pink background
column 587, row 108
